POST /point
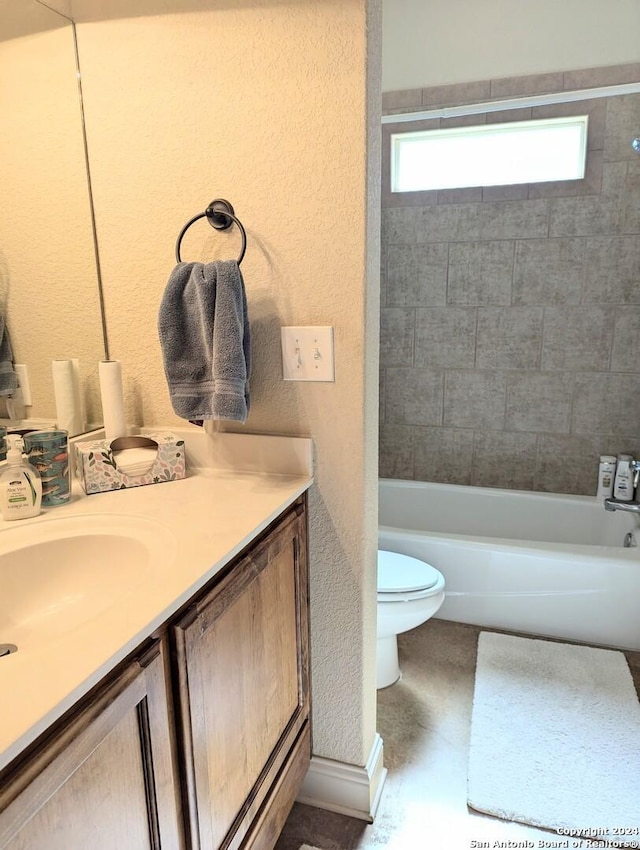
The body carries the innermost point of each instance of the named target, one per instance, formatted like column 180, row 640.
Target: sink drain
column 7, row 648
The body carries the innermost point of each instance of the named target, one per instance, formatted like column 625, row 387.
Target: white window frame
column 462, row 172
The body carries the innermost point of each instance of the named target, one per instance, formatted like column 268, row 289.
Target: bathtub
column 537, row 563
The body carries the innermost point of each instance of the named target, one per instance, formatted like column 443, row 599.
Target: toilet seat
column 402, row 578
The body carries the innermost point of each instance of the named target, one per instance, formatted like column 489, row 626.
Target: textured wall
column 48, row 286
column 263, row 104
column 440, row 42
column 509, row 331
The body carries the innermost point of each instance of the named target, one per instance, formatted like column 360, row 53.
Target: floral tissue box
column 102, row 465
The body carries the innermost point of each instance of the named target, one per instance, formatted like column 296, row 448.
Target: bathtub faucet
column 615, row 505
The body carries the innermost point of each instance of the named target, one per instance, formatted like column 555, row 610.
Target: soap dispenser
column 20, row 484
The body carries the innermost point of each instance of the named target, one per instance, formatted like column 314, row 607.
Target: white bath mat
column 555, row 737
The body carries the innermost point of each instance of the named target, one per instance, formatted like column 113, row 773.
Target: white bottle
column 606, row 474
column 20, row 484
column 623, row 483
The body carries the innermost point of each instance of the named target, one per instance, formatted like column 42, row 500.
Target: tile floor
column 424, row 721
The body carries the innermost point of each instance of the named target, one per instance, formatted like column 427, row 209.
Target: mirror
column 50, row 294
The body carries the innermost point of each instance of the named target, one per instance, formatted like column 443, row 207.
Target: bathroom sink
column 58, row 574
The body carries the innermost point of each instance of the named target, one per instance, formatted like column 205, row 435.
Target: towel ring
column 221, row 216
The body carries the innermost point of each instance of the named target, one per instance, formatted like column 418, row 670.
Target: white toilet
column 409, row 592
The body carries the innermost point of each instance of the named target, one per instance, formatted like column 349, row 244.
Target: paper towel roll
column 110, row 374
column 82, row 407
column 66, row 391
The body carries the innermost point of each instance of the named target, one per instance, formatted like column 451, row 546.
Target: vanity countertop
column 207, row 517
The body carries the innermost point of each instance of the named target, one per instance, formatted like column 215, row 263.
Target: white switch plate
column 23, row 383
column 307, row 354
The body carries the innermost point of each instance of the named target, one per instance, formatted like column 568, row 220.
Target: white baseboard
column 346, row 788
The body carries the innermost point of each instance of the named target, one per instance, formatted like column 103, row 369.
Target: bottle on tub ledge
column 606, row 475
column 623, row 482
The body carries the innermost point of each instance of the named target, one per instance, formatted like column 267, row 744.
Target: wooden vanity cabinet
column 243, row 694
column 200, row 741
column 106, row 779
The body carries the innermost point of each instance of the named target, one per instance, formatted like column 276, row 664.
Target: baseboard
column 346, row 788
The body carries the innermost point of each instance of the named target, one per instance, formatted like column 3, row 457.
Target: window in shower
column 489, row 155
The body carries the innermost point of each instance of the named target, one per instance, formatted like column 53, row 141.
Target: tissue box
column 97, row 462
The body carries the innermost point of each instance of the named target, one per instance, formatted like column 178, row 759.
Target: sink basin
column 57, row 574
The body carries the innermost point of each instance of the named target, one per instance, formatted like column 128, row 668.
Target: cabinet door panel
column 107, row 781
column 244, row 693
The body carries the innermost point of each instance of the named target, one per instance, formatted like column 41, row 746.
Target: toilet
column 409, row 592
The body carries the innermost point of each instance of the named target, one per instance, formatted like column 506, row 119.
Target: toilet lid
column 401, row 574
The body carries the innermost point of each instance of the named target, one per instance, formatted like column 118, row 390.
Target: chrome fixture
column 615, row 505
column 635, row 144
column 635, row 468
column 629, row 541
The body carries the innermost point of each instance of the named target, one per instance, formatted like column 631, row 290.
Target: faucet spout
column 616, row 505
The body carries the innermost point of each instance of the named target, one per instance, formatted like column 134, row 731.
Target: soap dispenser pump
column 20, row 484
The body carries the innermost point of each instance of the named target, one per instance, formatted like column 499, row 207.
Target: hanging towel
column 8, row 377
column 204, row 336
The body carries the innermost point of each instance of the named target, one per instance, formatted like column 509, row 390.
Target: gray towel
column 204, row 336
column 8, row 377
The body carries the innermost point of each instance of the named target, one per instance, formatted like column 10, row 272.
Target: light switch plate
column 307, row 353
column 23, row 383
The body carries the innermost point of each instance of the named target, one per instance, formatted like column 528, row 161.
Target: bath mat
column 555, row 738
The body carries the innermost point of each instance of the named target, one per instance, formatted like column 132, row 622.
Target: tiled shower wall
column 510, row 316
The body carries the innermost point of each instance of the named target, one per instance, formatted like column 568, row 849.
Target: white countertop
column 208, row 518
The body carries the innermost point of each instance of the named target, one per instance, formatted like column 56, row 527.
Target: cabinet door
column 106, row 781
column 242, row 655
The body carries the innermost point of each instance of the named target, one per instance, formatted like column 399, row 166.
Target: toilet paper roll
column 66, row 392
column 110, row 374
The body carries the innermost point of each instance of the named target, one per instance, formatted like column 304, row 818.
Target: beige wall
column 451, row 41
column 263, row 104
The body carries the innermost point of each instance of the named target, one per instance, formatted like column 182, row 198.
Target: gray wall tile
column 396, row 336
column 472, row 222
column 568, row 464
column 404, row 99
column 548, row 271
column 539, row 402
column 417, row 275
column 444, row 455
column 395, row 452
column 518, row 192
column 445, row 336
column 612, row 268
column 529, row 84
column 399, row 226
column 509, row 338
column 625, row 355
column 504, row 459
column 610, row 75
column 631, row 223
column 584, row 216
column 577, row 338
column 623, row 120
column 480, row 273
column 606, row 404
column 414, row 396
column 460, row 196
column 474, row 399
column 456, row 93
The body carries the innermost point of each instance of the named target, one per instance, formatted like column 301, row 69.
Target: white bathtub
column 538, row 563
